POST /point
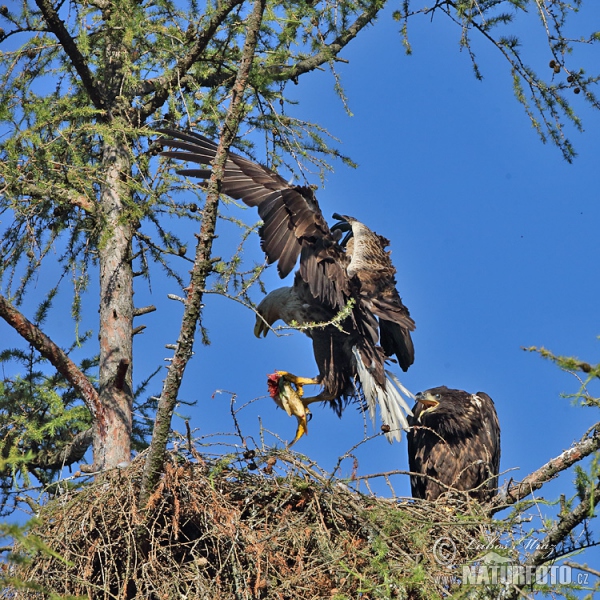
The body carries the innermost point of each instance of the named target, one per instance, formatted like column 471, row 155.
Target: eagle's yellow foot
column 322, row 397
column 287, row 391
column 298, row 381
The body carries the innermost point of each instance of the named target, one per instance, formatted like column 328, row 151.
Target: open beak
column 427, row 400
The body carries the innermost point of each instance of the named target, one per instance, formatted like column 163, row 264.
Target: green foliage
column 59, row 110
column 84, row 86
column 40, row 416
column 586, row 481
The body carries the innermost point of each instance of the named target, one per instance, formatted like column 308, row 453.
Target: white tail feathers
column 391, row 402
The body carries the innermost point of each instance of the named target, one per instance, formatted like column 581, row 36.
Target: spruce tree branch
column 559, row 532
column 534, row 481
column 73, row 452
column 330, row 51
column 202, row 265
column 564, row 526
column 162, row 85
column 57, row 26
column 48, row 349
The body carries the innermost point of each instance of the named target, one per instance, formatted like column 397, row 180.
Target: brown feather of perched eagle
column 454, row 440
column 329, row 276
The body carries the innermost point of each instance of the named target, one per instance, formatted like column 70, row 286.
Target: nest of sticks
column 266, row 525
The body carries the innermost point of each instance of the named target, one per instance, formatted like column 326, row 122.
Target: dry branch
column 219, row 531
column 143, row 310
column 519, row 490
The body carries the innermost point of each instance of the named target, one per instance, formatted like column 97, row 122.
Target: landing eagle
column 354, row 274
column 454, row 443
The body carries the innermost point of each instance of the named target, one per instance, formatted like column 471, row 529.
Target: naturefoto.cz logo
column 495, row 569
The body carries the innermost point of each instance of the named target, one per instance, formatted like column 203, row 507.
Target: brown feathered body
column 358, row 277
column 454, row 441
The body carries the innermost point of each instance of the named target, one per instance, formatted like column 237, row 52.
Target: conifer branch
column 534, row 481
column 71, row 197
column 73, row 452
column 566, row 523
column 162, row 86
column 48, row 349
column 557, row 533
column 330, row 51
column 57, row 26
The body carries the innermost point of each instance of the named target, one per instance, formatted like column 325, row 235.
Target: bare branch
column 519, row 490
column 143, row 310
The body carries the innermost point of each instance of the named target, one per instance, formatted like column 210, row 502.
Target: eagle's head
column 447, row 411
column 455, row 440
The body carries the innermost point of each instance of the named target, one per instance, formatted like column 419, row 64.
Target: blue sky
column 494, row 236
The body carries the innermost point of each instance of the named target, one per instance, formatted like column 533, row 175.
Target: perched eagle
column 454, row 439
column 354, row 275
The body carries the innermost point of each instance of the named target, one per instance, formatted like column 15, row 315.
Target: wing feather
column 291, row 214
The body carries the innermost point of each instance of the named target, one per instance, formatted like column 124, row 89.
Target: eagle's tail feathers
column 391, row 399
column 402, row 391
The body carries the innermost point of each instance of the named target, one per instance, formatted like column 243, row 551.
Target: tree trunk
column 112, row 429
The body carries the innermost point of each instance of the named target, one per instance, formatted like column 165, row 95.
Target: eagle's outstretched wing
column 292, row 220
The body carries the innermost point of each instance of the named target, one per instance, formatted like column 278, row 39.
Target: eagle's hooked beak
column 342, row 226
column 428, row 400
